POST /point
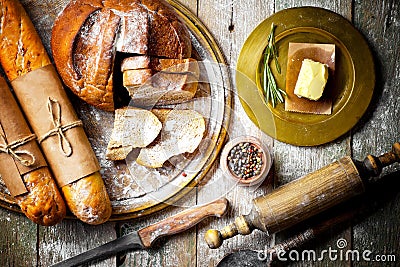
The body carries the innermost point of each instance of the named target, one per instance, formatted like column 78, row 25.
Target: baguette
column 41, row 200
column 43, row 203
column 21, row 51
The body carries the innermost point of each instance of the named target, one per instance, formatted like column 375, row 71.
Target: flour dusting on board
column 3, row 186
column 119, row 181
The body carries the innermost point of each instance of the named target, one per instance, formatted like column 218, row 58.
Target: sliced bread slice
column 136, row 78
column 160, row 64
column 162, row 89
column 155, row 81
column 171, row 65
column 182, row 132
column 133, row 128
column 135, row 63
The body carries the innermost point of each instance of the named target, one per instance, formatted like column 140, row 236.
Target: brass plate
column 354, row 76
column 136, row 191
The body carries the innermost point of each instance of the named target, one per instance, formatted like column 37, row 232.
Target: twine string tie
column 59, row 130
column 19, row 155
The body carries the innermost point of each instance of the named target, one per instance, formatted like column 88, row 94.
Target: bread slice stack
column 153, row 81
column 160, row 133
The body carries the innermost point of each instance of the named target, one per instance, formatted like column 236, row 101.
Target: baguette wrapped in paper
column 23, row 167
column 51, row 115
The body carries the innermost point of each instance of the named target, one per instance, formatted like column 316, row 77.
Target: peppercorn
column 245, row 160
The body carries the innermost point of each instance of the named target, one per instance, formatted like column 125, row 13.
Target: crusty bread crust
column 43, row 203
column 88, row 199
column 21, row 52
column 162, row 35
column 94, row 59
column 64, row 40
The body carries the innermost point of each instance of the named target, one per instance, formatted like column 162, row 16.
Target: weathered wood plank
column 191, row 5
column 294, row 162
column 230, row 23
column 72, row 237
column 341, row 7
column 178, row 250
column 380, row 128
column 17, row 240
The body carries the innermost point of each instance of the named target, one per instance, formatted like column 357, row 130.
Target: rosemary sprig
column 271, row 91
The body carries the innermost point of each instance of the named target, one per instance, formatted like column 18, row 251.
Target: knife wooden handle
column 182, row 221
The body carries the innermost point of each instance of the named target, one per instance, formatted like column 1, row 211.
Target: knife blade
column 145, row 237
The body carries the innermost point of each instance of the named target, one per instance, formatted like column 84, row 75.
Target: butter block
column 311, row 80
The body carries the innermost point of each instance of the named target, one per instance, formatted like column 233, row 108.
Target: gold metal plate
column 134, row 190
column 354, row 76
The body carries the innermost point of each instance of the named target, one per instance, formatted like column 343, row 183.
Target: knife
column 145, row 237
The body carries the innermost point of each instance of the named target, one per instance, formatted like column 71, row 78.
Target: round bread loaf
column 87, row 35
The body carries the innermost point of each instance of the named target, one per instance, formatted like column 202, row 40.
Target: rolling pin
column 307, row 196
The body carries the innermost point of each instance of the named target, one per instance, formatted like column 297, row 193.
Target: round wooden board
column 135, row 190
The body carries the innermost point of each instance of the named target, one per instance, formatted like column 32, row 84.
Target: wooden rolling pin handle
column 215, row 238
column 373, row 165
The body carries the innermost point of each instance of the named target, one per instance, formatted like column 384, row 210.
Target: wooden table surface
column 23, row 243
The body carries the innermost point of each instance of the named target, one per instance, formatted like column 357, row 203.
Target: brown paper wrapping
column 34, row 90
column 14, row 127
column 323, row 53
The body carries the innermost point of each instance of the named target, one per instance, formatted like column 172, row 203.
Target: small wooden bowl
column 266, row 159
